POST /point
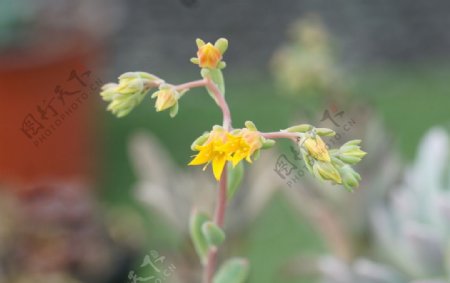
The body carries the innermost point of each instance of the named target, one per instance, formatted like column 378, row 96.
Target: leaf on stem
column 195, row 228
column 235, row 175
column 234, row 270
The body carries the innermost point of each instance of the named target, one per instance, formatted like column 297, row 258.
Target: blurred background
column 87, row 197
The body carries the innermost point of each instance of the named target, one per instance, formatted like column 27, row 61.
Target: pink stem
column 219, row 219
column 221, row 102
column 192, row 84
column 281, row 135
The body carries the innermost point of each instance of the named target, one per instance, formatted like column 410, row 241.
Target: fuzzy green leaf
column 213, row 234
column 195, row 228
column 234, row 270
column 235, row 176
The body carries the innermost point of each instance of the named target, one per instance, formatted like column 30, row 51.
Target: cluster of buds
column 333, row 165
column 134, row 86
column 129, row 92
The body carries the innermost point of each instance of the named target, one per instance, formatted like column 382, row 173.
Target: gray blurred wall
column 159, row 34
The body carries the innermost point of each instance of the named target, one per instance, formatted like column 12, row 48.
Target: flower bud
column 303, row 128
column 129, row 92
column 166, row 97
column 350, row 179
column 317, row 148
column 208, row 56
column 325, row 132
column 351, row 152
column 326, row 171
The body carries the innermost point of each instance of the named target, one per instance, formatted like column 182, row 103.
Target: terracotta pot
column 46, row 98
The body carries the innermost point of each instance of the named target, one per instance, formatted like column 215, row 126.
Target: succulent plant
column 410, row 228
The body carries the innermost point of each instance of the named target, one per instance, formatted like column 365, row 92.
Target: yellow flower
column 222, row 146
column 213, row 150
column 209, row 56
column 246, row 143
column 317, row 148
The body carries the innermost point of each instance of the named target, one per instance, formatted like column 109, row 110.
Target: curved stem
column 219, row 219
column 220, row 99
column 221, row 206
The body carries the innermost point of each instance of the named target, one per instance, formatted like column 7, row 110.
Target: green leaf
column 198, row 239
column 235, row 176
column 174, row 111
column 216, row 77
column 234, row 270
column 213, row 234
column 268, row 143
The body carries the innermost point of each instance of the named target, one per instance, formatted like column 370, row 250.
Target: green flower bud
column 129, row 92
column 326, row 171
column 352, row 142
column 303, row 128
column 325, row 132
column 200, row 141
column 351, row 152
column 350, row 179
column 213, row 234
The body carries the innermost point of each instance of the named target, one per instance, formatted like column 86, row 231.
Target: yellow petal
column 218, row 164
column 237, row 157
column 205, row 155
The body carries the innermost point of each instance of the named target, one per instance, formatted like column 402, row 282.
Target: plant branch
column 219, row 219
column 190, row 85
column 221, row 206
column 281, row 135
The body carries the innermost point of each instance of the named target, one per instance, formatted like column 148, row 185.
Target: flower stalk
column 227, row 148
